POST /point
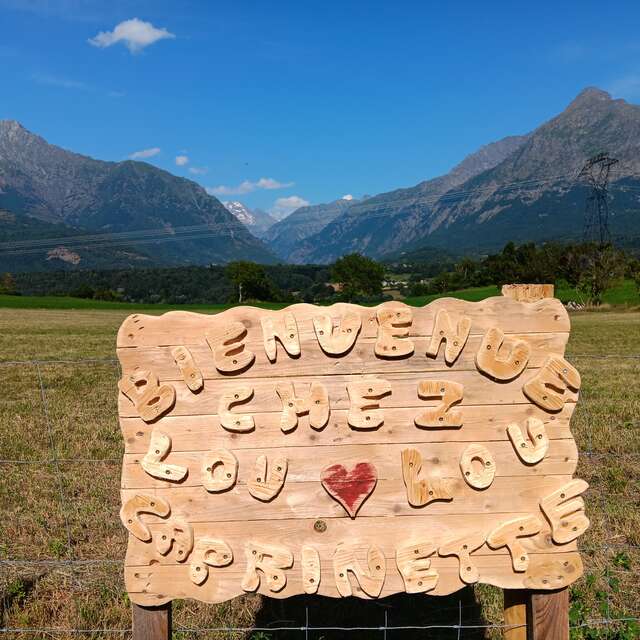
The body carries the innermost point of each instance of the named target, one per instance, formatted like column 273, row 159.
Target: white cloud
column 247, row 186
column 198, row 171
column 347, row 196
column 61, row 82
column 270, row 183
column 58, row 81
column 626, row 87
column 135, row 34
column 182, row 160
column 145, row 153
column 282, row 207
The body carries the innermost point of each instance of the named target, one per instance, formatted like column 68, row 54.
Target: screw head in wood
column 320, row 526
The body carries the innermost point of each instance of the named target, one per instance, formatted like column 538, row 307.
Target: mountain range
column 288, row 234
column 59, row 209
column 522, row 188
column 106, row 213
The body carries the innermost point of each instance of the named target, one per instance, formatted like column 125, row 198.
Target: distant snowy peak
column 240, row 212
column 256, row 220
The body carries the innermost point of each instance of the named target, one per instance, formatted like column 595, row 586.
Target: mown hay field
column 61, row 542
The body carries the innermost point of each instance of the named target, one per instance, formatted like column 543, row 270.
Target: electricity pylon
column 596, row 213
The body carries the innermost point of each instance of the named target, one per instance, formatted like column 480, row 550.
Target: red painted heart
column 350, row 488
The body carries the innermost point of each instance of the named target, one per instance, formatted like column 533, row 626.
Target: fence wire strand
column 608, row 620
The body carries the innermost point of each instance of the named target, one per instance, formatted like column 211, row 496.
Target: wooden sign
column 347, row 450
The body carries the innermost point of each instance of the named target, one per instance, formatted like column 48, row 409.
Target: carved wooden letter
column 422, row 492
column 219, row 470
column 454, row 337
column 370, row 580
column 286, row 330
column 364, row 408
column 565, row 512
column 159, row 448
column 191, row 374
column 553, row 574
column 229, row 351
column 209, row 552
column 478, row 466
column 235, row 421
column 548, row 386
column 310, row 569
column 181, row 533
column 502, row 358
column 268, row 479
column 534, row 449
column 393, row 331
column 507, row 534
column 142, row 503
column 150, row 398
column 440, row 416
column 270, row 560
column 462, row 548
column 339, row 340
column 414, row 566
column 315, row 403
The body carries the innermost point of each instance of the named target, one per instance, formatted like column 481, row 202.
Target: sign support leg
column 548, row 615
column 536, row 615
column 515, row 613
column 151, row 623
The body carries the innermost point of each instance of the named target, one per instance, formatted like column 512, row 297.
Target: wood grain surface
column 265, row 492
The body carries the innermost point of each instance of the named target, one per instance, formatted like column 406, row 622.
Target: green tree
column 634, row 272
column 358, row 275
column 8, row 284
column 603, row 267
column 466, row 270
column 250, row 281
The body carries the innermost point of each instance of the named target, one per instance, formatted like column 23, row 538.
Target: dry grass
column 82, row 424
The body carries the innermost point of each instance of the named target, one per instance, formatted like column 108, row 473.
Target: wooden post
column 536, row 615
column 548, row 615
column 515, row 613
column 151, row 623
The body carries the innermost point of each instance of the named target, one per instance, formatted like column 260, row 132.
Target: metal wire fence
column 392, row 619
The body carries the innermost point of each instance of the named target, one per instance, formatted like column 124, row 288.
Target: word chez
column 498, row 357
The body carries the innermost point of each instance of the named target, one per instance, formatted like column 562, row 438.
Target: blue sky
column 287, row 102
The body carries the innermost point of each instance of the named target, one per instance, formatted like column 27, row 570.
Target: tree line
column 591, row 269
column 353, row 277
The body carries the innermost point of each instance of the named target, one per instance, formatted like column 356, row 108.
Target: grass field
column 624, row 294
column 65, row 302
column 79, row 423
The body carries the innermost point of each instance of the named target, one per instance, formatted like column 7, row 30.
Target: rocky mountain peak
column 590, row 95
column 240, row 211
column 256, row 220
column 12, row 132
column 10, row 125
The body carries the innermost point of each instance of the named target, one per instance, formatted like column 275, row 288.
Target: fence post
column 536, row 615
column 515, row 613
column 548, row 615
column 151, row 623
